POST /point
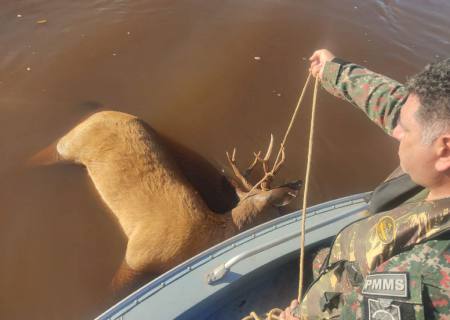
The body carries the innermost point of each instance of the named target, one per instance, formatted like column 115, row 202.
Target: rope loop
column 273, row 314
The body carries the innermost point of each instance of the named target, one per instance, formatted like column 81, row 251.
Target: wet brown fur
column 163, row 216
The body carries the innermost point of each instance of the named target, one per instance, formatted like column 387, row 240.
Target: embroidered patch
column 386, row 229
column 378, row 310
column 387, row 285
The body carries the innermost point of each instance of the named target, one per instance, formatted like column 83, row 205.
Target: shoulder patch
column 380, row 311
column 392, row 284
column 386, row 229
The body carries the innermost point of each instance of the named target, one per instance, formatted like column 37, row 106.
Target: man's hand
column 318, row 60
column 287, row 313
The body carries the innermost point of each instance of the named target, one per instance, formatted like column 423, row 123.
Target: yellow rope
column 305, row 191
column 297, row 108
column 275, row 313
column 294, row 115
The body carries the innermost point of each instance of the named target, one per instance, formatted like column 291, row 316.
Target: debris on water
column 128, row 33
column 276, row 93
column 355, row 7
column 257, row 58
column 28, row 69
column 43, row 21
column 19, row 16
column 114, row 54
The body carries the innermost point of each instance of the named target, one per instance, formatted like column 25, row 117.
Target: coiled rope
column 274, row 314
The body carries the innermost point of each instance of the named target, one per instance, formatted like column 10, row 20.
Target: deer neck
column 251, row 211
column 215, row 229
column 243, row 216
column 219, row 227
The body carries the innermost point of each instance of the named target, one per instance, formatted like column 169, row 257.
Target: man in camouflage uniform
column 394, row 264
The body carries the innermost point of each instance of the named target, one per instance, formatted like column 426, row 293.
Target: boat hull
column 253, row 271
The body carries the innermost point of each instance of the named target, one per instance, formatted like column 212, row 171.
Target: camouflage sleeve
column 319, row 258
column 378, row 96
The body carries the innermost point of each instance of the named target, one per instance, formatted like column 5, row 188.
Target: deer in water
column 163, row 216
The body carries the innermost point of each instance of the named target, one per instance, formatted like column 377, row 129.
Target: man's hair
column 432, row 87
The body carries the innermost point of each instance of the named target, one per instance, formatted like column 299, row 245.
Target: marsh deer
column 163, row 216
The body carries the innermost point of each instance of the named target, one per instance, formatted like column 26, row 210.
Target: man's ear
column 443, row 153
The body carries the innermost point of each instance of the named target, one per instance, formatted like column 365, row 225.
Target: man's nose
column 397, row 133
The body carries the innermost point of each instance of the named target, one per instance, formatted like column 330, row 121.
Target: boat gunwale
column 157, row 284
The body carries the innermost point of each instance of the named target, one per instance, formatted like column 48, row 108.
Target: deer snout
column 284, row 194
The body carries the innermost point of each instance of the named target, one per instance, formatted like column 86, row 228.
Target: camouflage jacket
column 354, row 276
column 386, row 266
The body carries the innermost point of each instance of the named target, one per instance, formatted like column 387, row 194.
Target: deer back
column 132, row 170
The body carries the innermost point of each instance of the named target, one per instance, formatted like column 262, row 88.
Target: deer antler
column 265, row 184
column 252, row 165
column 242, row 177
column 268, row 174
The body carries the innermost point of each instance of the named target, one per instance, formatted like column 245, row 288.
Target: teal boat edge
column 208, row 270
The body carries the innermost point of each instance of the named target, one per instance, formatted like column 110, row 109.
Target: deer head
column 260, row 202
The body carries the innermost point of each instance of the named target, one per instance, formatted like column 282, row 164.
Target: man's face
column 416, row 158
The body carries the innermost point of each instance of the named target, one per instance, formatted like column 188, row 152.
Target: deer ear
column 237, row 188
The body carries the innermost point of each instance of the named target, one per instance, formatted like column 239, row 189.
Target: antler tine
column 252, row 165
column 237, row 173
column 269, row 149
column 268, row 175
column 278, row 165
column 266, row 158
column 265, row 184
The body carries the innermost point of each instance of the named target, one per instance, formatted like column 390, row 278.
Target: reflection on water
column 188, row 69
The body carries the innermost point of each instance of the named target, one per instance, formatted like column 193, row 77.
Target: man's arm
column 380, row 97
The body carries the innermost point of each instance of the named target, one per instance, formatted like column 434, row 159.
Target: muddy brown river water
column 189, row 69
